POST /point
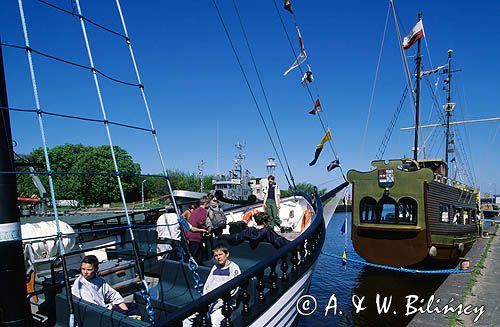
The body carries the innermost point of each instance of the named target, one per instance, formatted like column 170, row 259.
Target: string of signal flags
column 308, row 78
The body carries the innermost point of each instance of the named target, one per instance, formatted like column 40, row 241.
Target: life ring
column 249, row 214
column 306, row 219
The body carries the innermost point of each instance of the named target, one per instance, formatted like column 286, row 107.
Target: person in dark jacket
column 261, row 233
column 196, row 239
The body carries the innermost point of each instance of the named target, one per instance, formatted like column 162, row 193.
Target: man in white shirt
column 169, row 235
column 94, row 289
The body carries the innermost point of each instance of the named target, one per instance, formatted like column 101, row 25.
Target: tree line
column 79, row 175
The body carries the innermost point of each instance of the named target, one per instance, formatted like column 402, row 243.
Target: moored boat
column 165, row 291
column 409, row 211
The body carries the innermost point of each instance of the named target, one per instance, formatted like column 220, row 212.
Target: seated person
column 261, row 233
column 94, row 289
column 223, row 271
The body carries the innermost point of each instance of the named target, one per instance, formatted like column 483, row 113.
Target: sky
column 201, row 105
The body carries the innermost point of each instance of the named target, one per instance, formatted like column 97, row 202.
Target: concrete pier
column 485, row 291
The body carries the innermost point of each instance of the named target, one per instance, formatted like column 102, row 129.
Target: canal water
column 331, row 278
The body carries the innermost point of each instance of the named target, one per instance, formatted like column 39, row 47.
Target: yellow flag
column 326, row 138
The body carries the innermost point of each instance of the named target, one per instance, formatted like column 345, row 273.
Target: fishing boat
column 409, row 211
column 165, row 291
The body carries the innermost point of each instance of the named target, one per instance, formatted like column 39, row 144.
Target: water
column 330, row 277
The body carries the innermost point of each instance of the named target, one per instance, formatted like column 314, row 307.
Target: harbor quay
column 478, row 290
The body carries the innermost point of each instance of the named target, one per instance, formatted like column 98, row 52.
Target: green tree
column 88, row 189
column 302, row 187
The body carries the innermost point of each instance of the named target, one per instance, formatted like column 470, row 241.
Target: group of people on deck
column 197, row 224
column 204, row 223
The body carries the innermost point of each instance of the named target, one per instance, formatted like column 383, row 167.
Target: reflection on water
column 330, row 277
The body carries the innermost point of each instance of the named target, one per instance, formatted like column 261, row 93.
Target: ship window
column 444, row 210
column 387, row 210
column 466, row 216
column 407, row 211
column 457, row 215
column 367, row 209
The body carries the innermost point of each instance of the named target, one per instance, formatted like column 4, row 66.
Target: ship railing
column 449, row 181
column 108, row 222
column 303, row 252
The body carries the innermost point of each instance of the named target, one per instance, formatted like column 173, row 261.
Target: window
column 466, row 216
column 457, row 215
column 444, row 209
column 387, row 210
column 473, row 216
column 407, row 211
column 367, row 210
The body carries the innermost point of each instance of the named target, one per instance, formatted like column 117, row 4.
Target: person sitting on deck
column 169, row 236
column 94, row 289
column 223, row 271
column 261, row 233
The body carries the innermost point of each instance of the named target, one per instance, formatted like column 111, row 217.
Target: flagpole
column 417, row 98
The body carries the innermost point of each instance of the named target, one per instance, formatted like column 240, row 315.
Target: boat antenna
column 12, row 273
column 200, row 173
column 449, row 106
column 417, row 98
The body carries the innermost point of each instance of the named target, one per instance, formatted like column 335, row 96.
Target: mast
column 417, row 99
column 15, row 309
column 448, row 107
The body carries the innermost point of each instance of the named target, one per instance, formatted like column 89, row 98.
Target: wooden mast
column 417, row 99
column 448, row 107
column 14, row 309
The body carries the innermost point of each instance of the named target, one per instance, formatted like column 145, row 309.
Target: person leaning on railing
column 223, row 271
column 261, row 233
column 94, row 289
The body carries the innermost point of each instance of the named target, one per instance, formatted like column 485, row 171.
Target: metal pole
column 417, row 99
column 14, row 309
column 142, row 192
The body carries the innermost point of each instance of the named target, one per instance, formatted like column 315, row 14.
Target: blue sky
column 192, row 80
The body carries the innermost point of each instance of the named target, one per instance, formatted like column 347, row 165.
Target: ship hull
column 432, row 219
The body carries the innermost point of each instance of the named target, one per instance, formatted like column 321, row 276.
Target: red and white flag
column 300, row 58
column 317, row 108
column 417, row 32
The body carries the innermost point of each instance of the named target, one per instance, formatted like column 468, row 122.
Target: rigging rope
column 46, row 156
column 319, row 114
column 155, row 137
column 77, row 118
column 251, row 90
column 91, row 68
column 264, row 93
column 376, row 79
column 392, row 124
column 74, row 12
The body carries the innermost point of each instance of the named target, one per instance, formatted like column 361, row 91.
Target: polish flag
column 416, row 34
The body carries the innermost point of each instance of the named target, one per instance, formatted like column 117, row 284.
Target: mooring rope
column 399, row 269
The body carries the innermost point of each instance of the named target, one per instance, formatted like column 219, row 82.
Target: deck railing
column 303, row 252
